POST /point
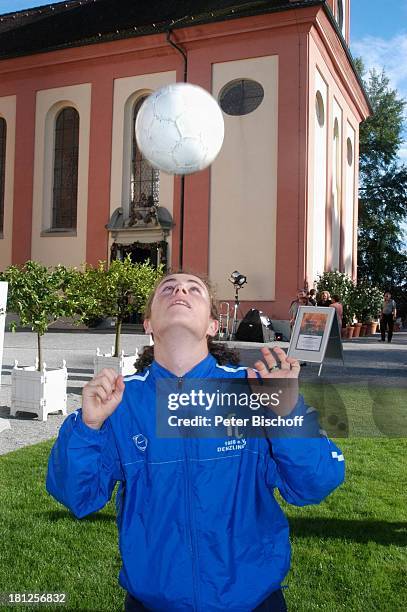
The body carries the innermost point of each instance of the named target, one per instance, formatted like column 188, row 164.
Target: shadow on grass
column 63, row 515
column 363, row 531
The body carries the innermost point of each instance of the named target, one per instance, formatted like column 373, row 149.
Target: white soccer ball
column 180, row 129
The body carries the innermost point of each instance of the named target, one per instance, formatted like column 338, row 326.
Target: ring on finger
column 274, row 367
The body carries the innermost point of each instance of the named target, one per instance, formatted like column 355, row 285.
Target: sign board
column 316, row 335
column 3, row 305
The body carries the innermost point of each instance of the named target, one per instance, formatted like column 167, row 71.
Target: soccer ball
column 180, row 129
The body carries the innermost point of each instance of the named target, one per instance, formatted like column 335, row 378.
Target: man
column 312, row 297
column 387, row 317
column 301, row 300
column 199, row 528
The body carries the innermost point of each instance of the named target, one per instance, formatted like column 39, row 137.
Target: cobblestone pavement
column 366, row 360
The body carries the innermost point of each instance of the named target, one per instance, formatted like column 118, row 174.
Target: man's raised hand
column 277, row 366
column 101, row 396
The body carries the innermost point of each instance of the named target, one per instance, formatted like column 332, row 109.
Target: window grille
column 241, row 97
column 144, row 179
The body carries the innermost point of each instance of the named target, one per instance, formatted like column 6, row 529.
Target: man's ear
column 213, row 328
column 147, row 326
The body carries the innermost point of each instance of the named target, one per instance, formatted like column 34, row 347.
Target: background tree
column 37, row 295
column 382, row 254
column 116, row 291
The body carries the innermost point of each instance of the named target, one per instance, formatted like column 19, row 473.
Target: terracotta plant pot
column 363, row 330
column 344, row 332
column 350, row 330
column 356, row 330
column 371, row 328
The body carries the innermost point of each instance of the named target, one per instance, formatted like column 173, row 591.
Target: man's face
column 181, row 301
column 387, row 296
column 300, row 295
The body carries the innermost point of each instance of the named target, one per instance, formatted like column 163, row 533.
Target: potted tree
column 114, row 291
column 36, row 295
column 374, row 299
column 341, row 284
column 366, row 300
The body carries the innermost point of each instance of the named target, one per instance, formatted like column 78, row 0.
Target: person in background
column 325, row 299
column 301, row 300
column 336, row 303
column 312, row 297
column 387, row 317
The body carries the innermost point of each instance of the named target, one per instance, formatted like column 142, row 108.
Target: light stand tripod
column 238, row 280
column 235, row 309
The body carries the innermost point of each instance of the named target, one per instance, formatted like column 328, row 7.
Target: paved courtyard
column 366, row 360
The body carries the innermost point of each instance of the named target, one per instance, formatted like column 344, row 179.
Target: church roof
column 82, row 22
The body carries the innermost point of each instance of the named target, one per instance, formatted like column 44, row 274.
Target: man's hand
column 277, row 366
column 101, row 396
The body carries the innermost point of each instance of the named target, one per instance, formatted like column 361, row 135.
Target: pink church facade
column 279, row 204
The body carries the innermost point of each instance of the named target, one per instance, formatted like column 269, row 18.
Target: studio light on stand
column 238, row 281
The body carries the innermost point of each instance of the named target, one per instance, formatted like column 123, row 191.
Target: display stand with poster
column 316, row 335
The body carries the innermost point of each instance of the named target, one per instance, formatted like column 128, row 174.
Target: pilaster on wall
column 99, row 166
column 23, row 173
column 197, row 186
column 8, row 114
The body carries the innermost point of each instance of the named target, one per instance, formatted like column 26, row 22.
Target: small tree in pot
column 115, row 291
column 36, row 294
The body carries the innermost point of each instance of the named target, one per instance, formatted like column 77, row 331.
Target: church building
column 279, row 204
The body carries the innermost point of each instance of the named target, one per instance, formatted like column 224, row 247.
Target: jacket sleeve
column 307, row 468
column 83, row 466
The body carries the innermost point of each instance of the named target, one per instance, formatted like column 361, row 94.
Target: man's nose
column 181, row 288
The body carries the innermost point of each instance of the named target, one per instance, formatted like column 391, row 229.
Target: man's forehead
column 184, row 277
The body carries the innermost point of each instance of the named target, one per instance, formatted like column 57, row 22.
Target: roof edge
column 335, row 25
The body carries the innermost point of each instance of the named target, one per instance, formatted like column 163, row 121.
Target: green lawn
column 348, row 552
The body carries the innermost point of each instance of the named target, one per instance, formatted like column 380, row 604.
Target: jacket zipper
column 189, row 513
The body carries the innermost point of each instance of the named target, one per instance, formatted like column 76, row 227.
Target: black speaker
column 255, row 327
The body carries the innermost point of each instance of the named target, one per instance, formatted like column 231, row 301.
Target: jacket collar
column 201, row 370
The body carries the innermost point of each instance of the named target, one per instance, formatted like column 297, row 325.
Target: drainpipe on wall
column 182, row 199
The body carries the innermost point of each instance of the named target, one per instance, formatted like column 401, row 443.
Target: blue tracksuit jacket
column 199, row 527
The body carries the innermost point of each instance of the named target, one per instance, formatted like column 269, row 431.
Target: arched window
column 65, row 185
column 3, row 138
column 319, row 109
column 144, row 179
column 340, row 14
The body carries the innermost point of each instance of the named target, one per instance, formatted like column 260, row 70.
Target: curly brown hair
column 221, row 352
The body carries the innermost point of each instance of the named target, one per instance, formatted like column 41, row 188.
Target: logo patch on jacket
column 232, row 445
column 140, row 441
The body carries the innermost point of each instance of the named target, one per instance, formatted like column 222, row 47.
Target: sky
column 378, row 35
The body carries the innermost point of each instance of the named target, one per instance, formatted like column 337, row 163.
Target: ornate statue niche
column 140, row 252
column 143, row 212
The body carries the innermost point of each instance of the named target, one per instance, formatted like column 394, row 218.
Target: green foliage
column 341, row 284
column 382, row 255
column 365, row 301
column 116, row 291
column 36, row 294
column 381, row 133
column 361, row 300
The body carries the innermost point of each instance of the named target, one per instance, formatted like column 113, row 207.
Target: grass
column 348, row 552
